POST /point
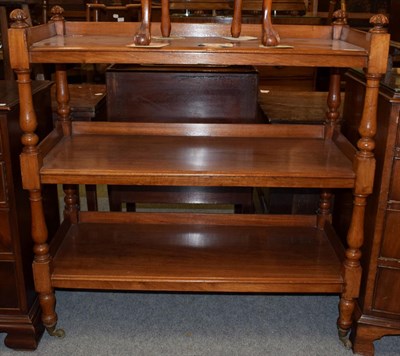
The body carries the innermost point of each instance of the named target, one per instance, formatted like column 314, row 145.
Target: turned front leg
column 42, row 264
column 165, row 19
column 352, row 269
column 236, row 27
column 30, row 176
column 143, row 36
column 364, row 165
column 270, row 37
column 30, row 160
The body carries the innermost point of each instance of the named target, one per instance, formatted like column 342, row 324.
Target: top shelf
column 191, row 44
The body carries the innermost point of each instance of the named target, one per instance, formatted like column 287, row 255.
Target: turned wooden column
column 236, row 26
column 165, row 19
column 364, row 166
column 30, row 168
column 331, row 124
column 333, row 103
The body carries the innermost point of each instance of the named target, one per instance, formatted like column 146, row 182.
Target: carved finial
column 57, row 13
column 340, row 16
column 18, row 18
column 379, row 21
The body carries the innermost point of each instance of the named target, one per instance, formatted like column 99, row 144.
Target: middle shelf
column 198, row 155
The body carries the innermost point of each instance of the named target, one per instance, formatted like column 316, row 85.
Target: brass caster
column 52, row 331
column 344, row 338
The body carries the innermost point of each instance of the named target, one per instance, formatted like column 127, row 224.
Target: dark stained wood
column 88, row 101
column 185, row 94
column 394, row 19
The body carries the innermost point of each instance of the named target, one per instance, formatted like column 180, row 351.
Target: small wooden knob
column 57, row 13
column 340, row 16
column 379, row 21
column 18, row 18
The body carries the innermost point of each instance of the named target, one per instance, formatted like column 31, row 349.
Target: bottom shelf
column 196, row 252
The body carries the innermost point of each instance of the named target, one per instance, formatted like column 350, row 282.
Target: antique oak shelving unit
column 197, row 252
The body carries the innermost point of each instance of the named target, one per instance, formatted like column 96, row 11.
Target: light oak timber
column 111, row 48
column 283, row 254
column 205, row 254
column 197, row 160
column 377, row 312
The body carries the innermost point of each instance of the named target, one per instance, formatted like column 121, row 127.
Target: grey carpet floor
column 155, row 324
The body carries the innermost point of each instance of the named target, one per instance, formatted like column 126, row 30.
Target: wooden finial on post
column 57, row 17
column 19, row 18
column 340, row 17
column 270, row 37
column 57, row 13
column 379, row 21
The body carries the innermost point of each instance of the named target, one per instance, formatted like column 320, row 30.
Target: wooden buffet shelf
column 193, row 44
column 187, row 252
column 199, row 154
column 221, row 252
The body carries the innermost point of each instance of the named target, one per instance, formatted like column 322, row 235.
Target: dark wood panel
column 182, row 94
column 5, row 232
column 391, row 241
column 394, row 193
column 394, row 28
column 3, row 184
column 384, row 301
column 8, row 285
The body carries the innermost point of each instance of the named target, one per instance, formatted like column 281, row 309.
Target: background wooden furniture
column 215, row 94
column 198, row 252
column 19, row 306
column 87, row 101
column 394, row 27
column 378, row 310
